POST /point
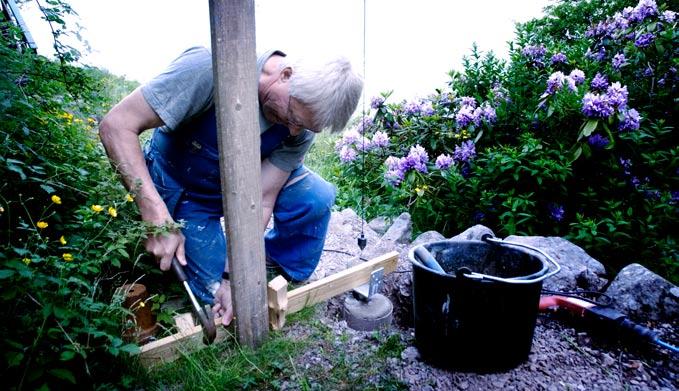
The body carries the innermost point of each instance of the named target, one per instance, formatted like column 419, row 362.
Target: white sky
column 410, row 45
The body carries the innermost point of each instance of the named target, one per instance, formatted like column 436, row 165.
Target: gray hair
column 331, row 90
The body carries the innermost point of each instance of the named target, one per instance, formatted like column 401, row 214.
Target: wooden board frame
column 280, row 303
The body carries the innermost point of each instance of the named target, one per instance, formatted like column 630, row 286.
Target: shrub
column 68, row 231
column 574, row 136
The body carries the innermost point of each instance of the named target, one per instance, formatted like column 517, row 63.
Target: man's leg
column 301, row 217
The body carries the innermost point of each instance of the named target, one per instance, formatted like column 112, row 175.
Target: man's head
column 306, row 96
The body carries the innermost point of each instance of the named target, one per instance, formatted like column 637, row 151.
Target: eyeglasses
column 292, row 121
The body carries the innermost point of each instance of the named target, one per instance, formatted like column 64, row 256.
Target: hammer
column 204, row 314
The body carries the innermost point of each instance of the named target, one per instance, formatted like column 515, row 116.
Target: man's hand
column 166, row 246
column 223, row 306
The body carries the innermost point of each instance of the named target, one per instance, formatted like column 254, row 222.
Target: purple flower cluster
column 397, row 168
column 644, row 40
column 556, row 211
column 500, row 93
column 630, row 121
column 465, row 116
column 599, row 83
column 645, row 9
column 380, row 140
column 554, row 83
column 578, row 76
column 617, row 95
column 596, row 106
column 427, row 109
column 598, row 141
column 668, row 16
column 376, row 102
column 464, row 152
column 621, row 21
column 468, row 101
column 557, row 79
column 444, row 100
column 365, row 124
column 535, row 55
column 347, row 154
column 444, row 162
column 619, row 61
column 559, row 58
column 469, row 114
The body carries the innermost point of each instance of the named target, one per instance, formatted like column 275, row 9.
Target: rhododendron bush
column 573, row 136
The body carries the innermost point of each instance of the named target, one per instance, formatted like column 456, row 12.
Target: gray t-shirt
column 185, row 90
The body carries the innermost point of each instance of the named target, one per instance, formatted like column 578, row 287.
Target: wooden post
column 235, row 76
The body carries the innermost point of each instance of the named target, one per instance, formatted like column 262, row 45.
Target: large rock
column 379, row 224
column 474, row 233
column 644, row 295
column 396, row 236
column 427, row 237
column 578, row 270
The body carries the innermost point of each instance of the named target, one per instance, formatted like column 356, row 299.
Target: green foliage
column 68, row 231
column 547, row 163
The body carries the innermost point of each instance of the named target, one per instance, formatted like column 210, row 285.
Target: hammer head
column 207, row 321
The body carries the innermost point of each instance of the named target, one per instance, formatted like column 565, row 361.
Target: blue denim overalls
column 184, row 166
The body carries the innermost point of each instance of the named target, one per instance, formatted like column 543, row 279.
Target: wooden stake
column 235, row 90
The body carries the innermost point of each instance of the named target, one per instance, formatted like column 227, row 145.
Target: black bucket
column 480, row 314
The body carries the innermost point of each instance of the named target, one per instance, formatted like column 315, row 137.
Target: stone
column 410, row 354
column 473, row 233
column 578, row 269
column 427, row 237
column 644, row 295
column 373, row 314
column 401, row 230
column 379, row 224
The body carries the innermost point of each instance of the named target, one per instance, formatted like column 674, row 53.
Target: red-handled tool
column 604, row 318
column 204, row 314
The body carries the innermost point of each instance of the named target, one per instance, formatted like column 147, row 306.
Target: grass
column 306, row 355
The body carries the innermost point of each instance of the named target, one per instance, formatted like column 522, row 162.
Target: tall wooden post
column 235, row 76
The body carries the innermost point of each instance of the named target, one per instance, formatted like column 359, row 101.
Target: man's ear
column 286, row 73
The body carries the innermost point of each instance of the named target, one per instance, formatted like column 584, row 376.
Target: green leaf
column 590, row 126
column 130, row 348
column 13, row 358
column 550, row 111
column 67, row 355
column 123, row 252
column 63, row 374
column 48, row 189
column 4, row 273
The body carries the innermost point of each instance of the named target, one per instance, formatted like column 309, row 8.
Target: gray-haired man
column 179, row 176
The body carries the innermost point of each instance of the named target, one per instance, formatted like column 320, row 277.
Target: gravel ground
column 562, row 358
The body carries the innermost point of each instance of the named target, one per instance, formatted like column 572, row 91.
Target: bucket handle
column 490, row 239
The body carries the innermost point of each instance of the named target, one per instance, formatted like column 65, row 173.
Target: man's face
column 280, row 108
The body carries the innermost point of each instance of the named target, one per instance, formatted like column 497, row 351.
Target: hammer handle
column 178, row 270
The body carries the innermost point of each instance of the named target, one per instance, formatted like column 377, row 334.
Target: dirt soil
column 562, row 358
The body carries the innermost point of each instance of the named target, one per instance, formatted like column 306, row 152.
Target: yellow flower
column 142, row 304
column 112, row 211
column 78, row 120
column 56, row 199
column 96, row 208
column 91, row 120
column 67, row 257
column 62, row 240
column 2, row 209
column 42, row 224
column 27, row 261
column 129, row 198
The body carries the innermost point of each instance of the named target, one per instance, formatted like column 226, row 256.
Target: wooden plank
column 184, row 322
column 235, row 90
column 278, row 302
column 337, row 283
column 177, row 345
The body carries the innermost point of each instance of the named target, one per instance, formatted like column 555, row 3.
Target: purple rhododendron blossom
column 365, row 123
column 559, row 58
column 644, row 40
column 376, row 102
column 412, row 108
column 648, row 72
column 556, row 211
column 598, row 55
column 417, row 159
column 644, row 9
column 596, row 106
column 578, row 76
column 380, row 139
column 599, row 83
column 617, row 95
column 464, row 152
column 348, row 138
column 392, row 163
column 619, row 22
column 488, row 113
column 395, row 177
column 618, row 61
column 427, row 109
column 598, row 141
column 629, row 14
column 535, row 54
column 630, row 121
column 554, row 82
column 668, row 16
column 465, row 116
column 444, row 100
column 347, row 154
column 444, row 162
column 364, row 144
column 468, row 101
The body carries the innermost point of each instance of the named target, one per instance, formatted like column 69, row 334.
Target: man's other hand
column 222, row 303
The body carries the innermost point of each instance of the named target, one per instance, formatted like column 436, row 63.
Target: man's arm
column 273, row 179
column 119, row 132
